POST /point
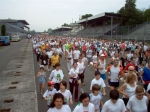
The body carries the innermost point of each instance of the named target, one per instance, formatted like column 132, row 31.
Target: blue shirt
column 146, row 74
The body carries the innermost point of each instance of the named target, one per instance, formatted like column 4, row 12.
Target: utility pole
column 111, row 26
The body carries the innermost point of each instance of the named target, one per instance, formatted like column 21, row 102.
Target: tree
column 147, row 14
column 65, row 24
column 86, row 16
column 3, row 30
column 129, row 13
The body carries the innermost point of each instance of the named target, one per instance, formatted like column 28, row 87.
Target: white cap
column 41, row 66
column 102, row 55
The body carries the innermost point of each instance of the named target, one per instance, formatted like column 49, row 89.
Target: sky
column 45, row 14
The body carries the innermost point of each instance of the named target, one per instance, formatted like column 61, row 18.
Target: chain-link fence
column 138, row 32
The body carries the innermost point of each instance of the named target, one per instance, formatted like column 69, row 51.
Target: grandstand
column 62, row 31
column 95, row 26
column 15, row 27
column 106, row 26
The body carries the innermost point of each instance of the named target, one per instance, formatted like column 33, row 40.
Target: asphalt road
column 7, row 53
column 89, row 75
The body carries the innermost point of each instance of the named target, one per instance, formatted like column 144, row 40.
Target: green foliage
column 3, row 30
column 147, row 14
column 130, row 14
column 65, row 24
column 86, row 16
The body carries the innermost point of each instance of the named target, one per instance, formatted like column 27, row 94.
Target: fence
column 138, row 32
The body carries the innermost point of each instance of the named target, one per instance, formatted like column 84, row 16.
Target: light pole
column 111, row 26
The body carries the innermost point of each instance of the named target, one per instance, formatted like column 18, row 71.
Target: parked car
column 5, row 40
column 15, row 38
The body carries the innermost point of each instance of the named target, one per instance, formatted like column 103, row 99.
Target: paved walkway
column 17, row 81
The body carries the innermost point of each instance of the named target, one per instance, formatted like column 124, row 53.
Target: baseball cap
column 102, row 55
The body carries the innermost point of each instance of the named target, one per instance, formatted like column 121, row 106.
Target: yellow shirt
column 54, row 60
column 43, row 47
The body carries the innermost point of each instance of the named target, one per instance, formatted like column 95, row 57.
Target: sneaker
column 81, row 90
column 107, row 85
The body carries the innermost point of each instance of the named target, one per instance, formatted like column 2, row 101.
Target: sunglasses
column 131, row 70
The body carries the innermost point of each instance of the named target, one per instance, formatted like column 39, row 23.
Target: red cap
column 50, row 83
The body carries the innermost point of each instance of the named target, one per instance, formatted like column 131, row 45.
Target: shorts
column 113, row 84
column 49, row 61
column 103, row 76
column 60, row 55
column 46, row 67
column 41, row 82
column 81, row 76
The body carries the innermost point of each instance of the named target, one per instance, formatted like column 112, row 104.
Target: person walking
column 64, row 91
column 44, row 60
column 56, row 76
column 55, row 59
column 138, row 102
column 114, row 72
column 73, row 80
column 58, row 104
column 128, row 88
column 84, row 105
column 145, row 75
column 114, row 104
column 69, row 58
column 41, row 78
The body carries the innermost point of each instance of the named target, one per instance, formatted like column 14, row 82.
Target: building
column 15, row 27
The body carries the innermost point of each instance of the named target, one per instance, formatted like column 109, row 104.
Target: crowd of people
column 123, row 66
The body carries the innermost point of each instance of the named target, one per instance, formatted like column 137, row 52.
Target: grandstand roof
column 104, row 15
column 74, row 24
column 61, row 28
column 13, row 21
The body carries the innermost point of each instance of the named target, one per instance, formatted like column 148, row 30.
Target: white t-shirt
column 56, row 76
column 89, row 53
column 109, row 106
column 49, row 94
column 114, row 73
column 95, row 100
column 67, row 95
column 94, row 58
column 81, row 67
column 38, row 50
column 49, row 53
column 145, row 47
column 81, row 108
column 84, row 60
column 76, row 54
column 130, row 90
column 72, row 72
column 85, row 109
column 148, row 87
column 65, row 108
column 102, row 71
column 69, row 54
column 76, row 43
column 59, row 51
column 100, row 82
column 136, row 105
column 129, row 56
